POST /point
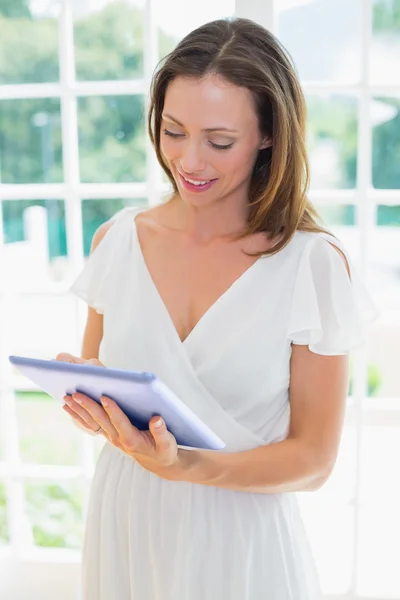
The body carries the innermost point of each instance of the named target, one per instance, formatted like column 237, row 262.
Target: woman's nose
column 192, row 160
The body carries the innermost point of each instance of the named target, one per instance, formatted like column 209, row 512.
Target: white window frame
column 12, row 471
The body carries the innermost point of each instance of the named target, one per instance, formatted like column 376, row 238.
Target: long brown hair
column 247, row 55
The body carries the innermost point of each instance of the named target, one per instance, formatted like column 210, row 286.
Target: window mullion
column 150, row 61
column 18, row 525
column 109, row 88
column 365, row 221
column 73, row 188
column 366, row 210
column 69, row 131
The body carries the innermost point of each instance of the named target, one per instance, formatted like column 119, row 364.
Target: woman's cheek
column 230, row 162
column 168, row 149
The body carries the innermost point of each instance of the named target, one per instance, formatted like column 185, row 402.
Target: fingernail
column 158, row 424
column 104, row 401
column 77, row 399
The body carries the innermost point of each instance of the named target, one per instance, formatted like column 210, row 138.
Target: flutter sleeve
column 95, row 282
column 330, row 311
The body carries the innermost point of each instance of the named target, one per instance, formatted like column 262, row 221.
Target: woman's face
column 210, row 136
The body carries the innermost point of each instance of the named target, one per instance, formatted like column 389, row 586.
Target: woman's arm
column 304, row 461
column 93, row 332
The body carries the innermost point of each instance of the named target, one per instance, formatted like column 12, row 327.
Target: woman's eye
column 220, row 146
column 212, row 144
column 173, row 135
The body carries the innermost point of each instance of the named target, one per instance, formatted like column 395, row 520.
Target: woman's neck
column 204, row 223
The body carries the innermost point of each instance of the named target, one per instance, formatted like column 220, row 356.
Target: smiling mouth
column 194, row 181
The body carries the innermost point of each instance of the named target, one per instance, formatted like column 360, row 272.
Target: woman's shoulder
column 100, row 233
column 121, row 218
column 316, row 236
column 321, row 244
column 302, row 242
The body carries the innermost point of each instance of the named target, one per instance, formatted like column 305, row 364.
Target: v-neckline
column 213, row 306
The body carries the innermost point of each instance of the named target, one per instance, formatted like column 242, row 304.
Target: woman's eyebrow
column 208, row 130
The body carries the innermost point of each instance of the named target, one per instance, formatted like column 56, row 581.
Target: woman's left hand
column 155, row 449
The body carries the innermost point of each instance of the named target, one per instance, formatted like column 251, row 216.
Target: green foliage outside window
column 54, row 509
column 109, row 43
column 374, row 379
column 386, row 15
column 55, row 513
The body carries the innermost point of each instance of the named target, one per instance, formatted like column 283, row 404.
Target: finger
column 82, row 412
column 98, row 414
column 95, row 362
column 77, row 418
column 129, row 435
column 66, row 357
column 160, row 433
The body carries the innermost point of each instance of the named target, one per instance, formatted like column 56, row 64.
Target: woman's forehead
column 210, row 101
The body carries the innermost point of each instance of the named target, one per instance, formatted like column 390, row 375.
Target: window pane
column 334, row 215
column 55, row 512
column 176, row 18
column 383, row 341
column 46, row 433
column 96, row 212
column 385, row 257
column 4, row 534
column 23, row 225
column 383, row 350
column 385, row 118
column 323, row 37
column 29, row 42
column 30, row 141
column 389, row 216
column 385, row 47
column 332, row 141
column 112, row 139
column 109, row 39
column 35, row 248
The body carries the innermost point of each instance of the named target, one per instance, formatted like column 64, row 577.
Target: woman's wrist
column 187, row 465
column 196, row 466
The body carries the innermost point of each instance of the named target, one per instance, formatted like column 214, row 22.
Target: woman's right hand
column 65, row 357
column 80, row 416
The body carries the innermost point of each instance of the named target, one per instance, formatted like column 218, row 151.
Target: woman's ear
column 266, row 143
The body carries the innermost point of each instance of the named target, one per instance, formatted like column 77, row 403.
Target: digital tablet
column 139, row 395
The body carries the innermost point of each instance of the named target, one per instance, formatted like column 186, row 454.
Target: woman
column 247, row 309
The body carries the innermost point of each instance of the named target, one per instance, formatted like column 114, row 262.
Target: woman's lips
column 196, row 188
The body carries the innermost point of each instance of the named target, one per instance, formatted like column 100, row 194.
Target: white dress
column 151, row 539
